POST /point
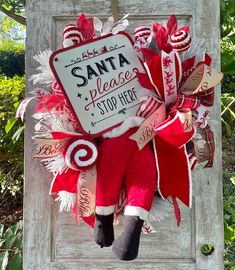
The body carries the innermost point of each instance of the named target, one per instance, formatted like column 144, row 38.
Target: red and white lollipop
column 180, row 41
column 142, row 32
column 71, row 35
column 80, row 153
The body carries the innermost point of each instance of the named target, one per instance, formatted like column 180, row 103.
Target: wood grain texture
column 54, row 241
column 73, row 241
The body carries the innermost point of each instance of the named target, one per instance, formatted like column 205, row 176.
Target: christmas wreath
column 122, row 135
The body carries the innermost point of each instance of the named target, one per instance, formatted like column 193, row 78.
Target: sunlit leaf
column 17, row 134
column 229, row 232
column 1, row 229
column 10, row 123
column 232, row 38
column 19, row 241
column 227, row 127
column 10, row 239
column 232, row 179
column 4, row 260
column 232, row 114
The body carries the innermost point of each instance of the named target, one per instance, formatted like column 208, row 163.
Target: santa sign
column 99, row 80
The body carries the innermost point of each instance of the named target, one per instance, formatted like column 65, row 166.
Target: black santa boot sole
column 103, row 230
column 126, row 246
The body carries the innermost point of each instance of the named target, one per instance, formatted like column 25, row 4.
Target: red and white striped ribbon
column 150, row 105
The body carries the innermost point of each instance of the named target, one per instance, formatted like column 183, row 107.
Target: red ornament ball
column 71, row 35
column 180, row 41
column 143, row 32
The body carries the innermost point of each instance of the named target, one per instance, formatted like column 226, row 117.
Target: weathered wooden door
column 53, row 241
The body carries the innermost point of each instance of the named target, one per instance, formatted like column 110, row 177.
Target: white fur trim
column 104, row 210
column 67, row 200
column 136, row 211
column 68, row 43
column 133, row 121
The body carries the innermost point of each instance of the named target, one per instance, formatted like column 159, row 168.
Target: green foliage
column 11, row 151
column 227, row 12
column 227, row 56
column 11, row 246
column 227, row 15
column 11, row 31
column 16, row 6
column 12, row 59
column 229, row 220
column 228, row 114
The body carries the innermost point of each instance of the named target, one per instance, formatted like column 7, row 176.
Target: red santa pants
column 121, row 162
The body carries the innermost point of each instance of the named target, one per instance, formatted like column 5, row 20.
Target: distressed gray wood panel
column 71, row 241
column 55, row 241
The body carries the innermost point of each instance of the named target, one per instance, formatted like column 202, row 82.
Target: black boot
column 126, row 246
column 103, row 230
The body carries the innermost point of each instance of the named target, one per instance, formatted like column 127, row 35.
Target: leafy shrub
column 11, row 247
column 11, row 152
column 227, row 16
column 227, row 12
column 12, row 60
column 228, row 113
column 229, row 219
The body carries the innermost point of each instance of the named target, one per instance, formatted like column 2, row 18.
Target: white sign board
column 99, row 81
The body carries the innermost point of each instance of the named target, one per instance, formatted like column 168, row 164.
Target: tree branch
column 17, row 18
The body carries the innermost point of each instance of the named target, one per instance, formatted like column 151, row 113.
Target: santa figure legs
column 121, row 163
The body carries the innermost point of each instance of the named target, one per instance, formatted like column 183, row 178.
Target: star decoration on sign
column 79, row 95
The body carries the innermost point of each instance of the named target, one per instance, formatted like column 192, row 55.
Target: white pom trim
column 136, row 211
column 133, row 121
column 105, row 210
column 67, row 200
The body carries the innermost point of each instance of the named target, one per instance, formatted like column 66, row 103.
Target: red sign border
column 54, row 54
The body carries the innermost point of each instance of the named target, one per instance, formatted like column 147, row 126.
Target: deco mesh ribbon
column 179, row 87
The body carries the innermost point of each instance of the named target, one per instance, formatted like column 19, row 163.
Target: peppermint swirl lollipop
column 80, row 153
column 180, row 40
